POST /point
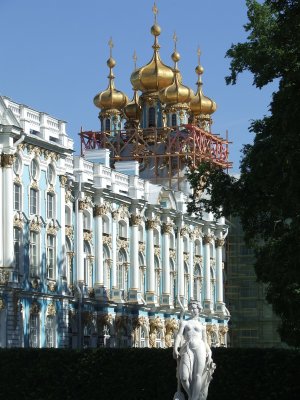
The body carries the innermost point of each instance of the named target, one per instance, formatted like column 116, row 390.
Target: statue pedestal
column 151, row 299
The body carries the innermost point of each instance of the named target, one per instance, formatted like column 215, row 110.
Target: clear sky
column 53, row 56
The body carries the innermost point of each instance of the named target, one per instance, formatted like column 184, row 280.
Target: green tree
column 266, row 197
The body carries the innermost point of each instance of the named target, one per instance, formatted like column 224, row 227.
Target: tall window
column 151, row 117
column 17, row 197
column 174, row 120
column 157, row 275
column 197, row 282
column 122, row 229
column 107, row 124
column 186, row 281
column 34, row 209
column 50, row 206
column 50, row 256
column 17, row 246
column 121, row 270
column 51, row 174
column 87, row 264
column 34, row 169
column 34, row 253
column 50, row 331
column 34, row 330
column 106, row 264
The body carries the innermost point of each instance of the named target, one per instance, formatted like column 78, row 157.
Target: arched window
column 50, row 331
column 173, row 280
column 174, row 120
column 34, row 254
column 122, row 270
column 105, row 225
column 88, row 264
column 86, row 220
column 51, row 256
column 157, row 276
column 68, row 216
column 106, row 263
column 69, row 262
column 17, row 197
column 123, row 229
column 197, row 248
column 142, row 268
column 197, row 282
column 151, row 117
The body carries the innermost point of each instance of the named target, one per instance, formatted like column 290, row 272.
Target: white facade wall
column 90, row 256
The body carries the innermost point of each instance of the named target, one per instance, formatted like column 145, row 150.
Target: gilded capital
column 135, row 220
column 7, row 160
column 63, row 180
column 220, row 242
column 207, row 239
column 167, row 228
column 151, row 224
column 100, row 210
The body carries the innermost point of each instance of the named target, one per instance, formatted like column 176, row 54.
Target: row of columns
column 167, row 229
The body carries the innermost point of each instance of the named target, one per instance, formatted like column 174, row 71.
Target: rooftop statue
column 194, row 358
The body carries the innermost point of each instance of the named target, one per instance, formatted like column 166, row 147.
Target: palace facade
column 98, row 249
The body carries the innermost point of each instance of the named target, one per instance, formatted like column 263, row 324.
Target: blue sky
column 54, row 52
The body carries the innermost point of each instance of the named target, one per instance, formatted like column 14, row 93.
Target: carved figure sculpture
column 194, row 360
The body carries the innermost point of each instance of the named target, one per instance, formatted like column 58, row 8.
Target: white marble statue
column 194, row 361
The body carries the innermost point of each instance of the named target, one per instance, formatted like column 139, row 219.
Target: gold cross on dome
column 134, row 59
column 111, row 45
column 175, row 39
column 155, row 11
column 199, row 54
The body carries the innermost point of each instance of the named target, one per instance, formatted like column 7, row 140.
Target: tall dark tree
column 266, row 197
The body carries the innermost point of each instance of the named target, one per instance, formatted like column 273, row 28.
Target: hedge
column 143, row 374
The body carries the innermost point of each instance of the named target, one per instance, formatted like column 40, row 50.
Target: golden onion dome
column 133, row 110
column 155, row 75
column 111, row 98
column 201, row 104
column 177, row 93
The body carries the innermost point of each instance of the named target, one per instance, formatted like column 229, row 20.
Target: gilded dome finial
column 175, row 56
column 110, row 98
column 199, row 69
column 155, row 12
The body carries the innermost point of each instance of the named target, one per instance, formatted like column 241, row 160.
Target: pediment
column 7, row 116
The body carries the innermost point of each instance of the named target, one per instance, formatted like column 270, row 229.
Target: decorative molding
column 51, row 310
column 69, row 197
column 51, row 286
column 186, row 257
column 122, row 244
column 34, row 185
column 17, row 180
column 69, row 231
column 142, row 247
column 35, row 224
column 35, row 308
column 197, row 232
column 51, row 155
column 52, row 228
column 19, row 220
column 121, row 213
column 172, row 254
column 88, row 236
column 171, row 325
column 156, row 250
column 2, row 304
column 198, row 260
column 107, row 239
column 51, row 189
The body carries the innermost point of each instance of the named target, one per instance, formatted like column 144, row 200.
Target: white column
column 63, row 181
column 180, row 269
column 135, row 220
column 207, row 277
column 167, row 228
column 150, row 257
column 191, row 265
column 114, row 250
column 219, row 270
column 1, row 215
column 99, row 270
column 79, row 240
column 8, row 210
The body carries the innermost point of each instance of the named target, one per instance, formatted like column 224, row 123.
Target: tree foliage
column 266, row 196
